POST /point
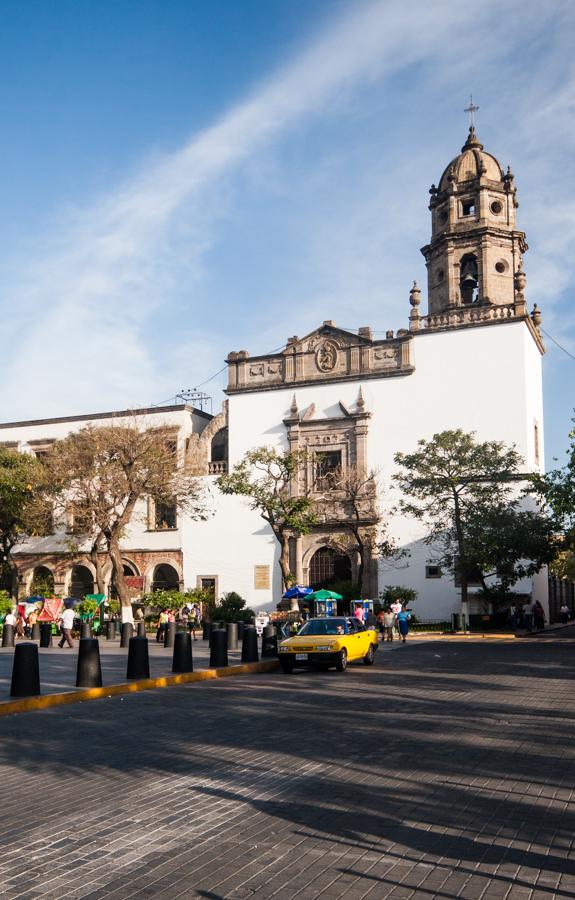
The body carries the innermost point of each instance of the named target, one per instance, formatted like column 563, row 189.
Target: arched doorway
column 81, row 582
column 42, row 583
column 165, row 578
column 328, row 567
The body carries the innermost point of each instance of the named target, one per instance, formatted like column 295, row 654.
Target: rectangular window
column 165, row 516
column 208, row 583
column 467, row 208
column 262, row 578
column 433, row 571
column 327, row 469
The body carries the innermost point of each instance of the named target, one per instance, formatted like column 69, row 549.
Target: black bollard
column 85, row 632
column 138, row 659
column 141, row 629
column 206, row 630
column 46, row 634
column 89, row 670
column 25, row 671
column 126, row 634
column 240, row 631
column 35, row 631
column 182, row 660
column 8, row 636
column 269, row 642
column 232, row 630
column 250, row 645
column 170, row 634
column 110, row 631
column 218, row 648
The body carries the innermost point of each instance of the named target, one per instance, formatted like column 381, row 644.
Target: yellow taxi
column 329, row 642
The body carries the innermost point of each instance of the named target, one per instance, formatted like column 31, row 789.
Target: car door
column 355, row 640
column 363, row 639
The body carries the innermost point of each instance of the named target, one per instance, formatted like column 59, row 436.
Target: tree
column 557, row 490
column 21, row 503
column 350, row 502
column 271, row 480
column 466, row 493
column 101, row 474
column 397, row 592
column 232, row 608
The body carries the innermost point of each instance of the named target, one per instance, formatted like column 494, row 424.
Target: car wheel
column 369, row 657
column 341, row 664
column 286, row 666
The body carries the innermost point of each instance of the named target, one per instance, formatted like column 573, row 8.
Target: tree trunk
column 119, row 579
column 461, row 553
column 284, row 560
column 97, row 563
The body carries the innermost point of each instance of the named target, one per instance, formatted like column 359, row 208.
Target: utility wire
column 546, row 333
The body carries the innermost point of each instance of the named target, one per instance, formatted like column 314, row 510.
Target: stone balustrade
column 218, row 468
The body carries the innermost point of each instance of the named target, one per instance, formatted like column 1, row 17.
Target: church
column 351, row 399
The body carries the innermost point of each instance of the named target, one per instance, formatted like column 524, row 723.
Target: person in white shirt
column 67, row 623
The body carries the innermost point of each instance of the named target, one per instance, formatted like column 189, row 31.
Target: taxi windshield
column 324, row 626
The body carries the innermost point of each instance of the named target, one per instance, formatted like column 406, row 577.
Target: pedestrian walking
column 388, row 623
column 538, row 616
column 403, row 618
column 513, row 616
column 358, row 613
column 565, row 613
column 528, row 616
column 162, row 626
column 20, row 625
column 66, row 625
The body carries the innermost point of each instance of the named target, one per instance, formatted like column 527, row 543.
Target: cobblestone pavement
column 58, row 667
column 447, row 770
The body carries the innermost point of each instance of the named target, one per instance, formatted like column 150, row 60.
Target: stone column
column 299, row 559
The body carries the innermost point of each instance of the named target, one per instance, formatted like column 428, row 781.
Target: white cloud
column 113, row 265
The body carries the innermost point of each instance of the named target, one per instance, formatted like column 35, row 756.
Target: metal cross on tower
column 471, row 109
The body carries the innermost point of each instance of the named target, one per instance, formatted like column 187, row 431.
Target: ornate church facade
column 351, row 401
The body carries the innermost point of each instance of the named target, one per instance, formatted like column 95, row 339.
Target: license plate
column 301, row 656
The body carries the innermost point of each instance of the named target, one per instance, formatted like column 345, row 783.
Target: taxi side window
column 360, row 626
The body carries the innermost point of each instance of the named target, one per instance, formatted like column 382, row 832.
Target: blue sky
column 181, row 178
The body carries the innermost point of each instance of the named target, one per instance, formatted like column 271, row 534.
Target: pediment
column 326, row 332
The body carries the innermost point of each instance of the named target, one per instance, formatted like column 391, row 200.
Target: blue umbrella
column 297, row 591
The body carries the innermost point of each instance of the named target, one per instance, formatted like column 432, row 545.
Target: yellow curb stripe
column 27, row 704
column 463, row 637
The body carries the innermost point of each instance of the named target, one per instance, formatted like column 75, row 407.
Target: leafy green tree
column 271, row 480
column 466, row 494
column 557, row 489
column 172, row 600
column 21, row 485
column 397, row 592
column 6, row 603
column 101, row 474
column 232, row 608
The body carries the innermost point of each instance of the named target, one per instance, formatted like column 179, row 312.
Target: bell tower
column 475, row 256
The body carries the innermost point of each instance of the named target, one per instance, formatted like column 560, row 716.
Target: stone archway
column 41, row 581
column 81, row 582
column 165, row 578
column 327, row 567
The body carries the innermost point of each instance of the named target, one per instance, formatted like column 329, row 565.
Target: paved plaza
column 447, row 770
column 58, row 667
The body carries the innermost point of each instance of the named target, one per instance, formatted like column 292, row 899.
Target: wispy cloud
column 114, row 265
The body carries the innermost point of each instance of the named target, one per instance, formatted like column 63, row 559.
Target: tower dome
column 475, row 248
column 473, row 162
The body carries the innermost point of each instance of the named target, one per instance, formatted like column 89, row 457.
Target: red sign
column 135, row 582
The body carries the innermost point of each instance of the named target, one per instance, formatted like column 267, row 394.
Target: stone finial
column 415, row 300
column 293, row 408
column 360, row 401
column 536, row 316
column 520, row 279
column 415, row 295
